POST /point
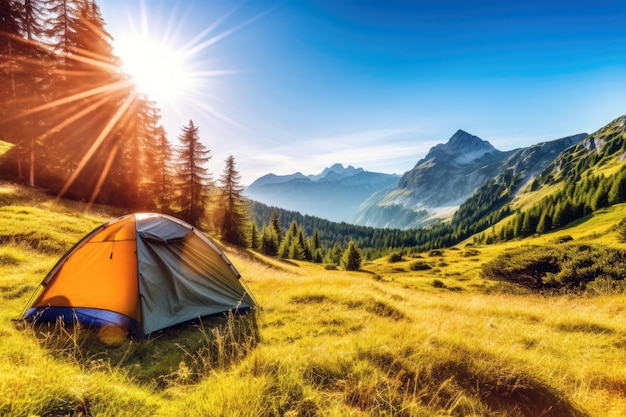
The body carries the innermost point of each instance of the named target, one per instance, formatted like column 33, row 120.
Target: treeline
column 272, row 239
column 372, row 242
column 79, row 128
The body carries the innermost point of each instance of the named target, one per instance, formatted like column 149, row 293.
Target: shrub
column 471, row 252
column 438, row 284
column 435, row 252
column 419, row 266
column 563, row 239
column 572, row 266
column 395, row 257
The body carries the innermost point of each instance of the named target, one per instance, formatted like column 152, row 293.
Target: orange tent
column 142, row 272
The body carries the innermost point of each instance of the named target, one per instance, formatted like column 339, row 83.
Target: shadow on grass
column 447, row 379
column 179, row 355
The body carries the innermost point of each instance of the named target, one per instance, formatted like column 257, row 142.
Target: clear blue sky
column 375, row 84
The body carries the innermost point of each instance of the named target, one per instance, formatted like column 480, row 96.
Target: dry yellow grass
column 381, row 341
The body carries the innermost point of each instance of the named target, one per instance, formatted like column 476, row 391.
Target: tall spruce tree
column 163, row 174
column 38, row 59
column 93, row 101
column 233, row 205
column 10, row 43
column 192, row 176
column 275, row 224
column 26, row 62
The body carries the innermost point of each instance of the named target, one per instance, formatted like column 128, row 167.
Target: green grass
column 383, row 341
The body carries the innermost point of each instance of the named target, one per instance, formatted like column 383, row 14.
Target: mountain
column 582, row 180
column 334, row 194
column 535, row 190
column 449, row 175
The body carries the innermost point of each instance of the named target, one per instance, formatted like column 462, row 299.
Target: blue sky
column 303, row 84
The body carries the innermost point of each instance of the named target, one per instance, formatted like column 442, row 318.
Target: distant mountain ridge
column 433, row 190
column 335, row 172
column 333, row 194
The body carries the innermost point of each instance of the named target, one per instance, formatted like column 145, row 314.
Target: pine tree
column 318, row 256
column 315, row 243
column 91, row 98
column 529, row 222
column 351, row 258
column 304, row 244
column 275, row 223
column 22, row 28
column 254, row 236
column 335, row 254
column 233, row 205
column 137, row 179
column 286, row 249
column 269, row 241
column 601, row 196
column 192, row 177
column 563, row 214
column 545, row 222
column 163, row 173
column 295, row 251
column 617, row 193
column 10, row 44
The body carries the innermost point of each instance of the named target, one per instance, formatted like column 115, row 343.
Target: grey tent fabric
column 144, row 272
column 179, row 279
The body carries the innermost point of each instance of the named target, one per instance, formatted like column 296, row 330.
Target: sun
column 157, row 68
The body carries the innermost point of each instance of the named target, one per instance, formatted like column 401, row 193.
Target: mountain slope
column 449, row 175
column 582, row 180
column 334, row 194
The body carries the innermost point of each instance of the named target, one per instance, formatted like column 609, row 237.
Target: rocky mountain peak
column 464, row 142
column 461, row 149
column 337, row 171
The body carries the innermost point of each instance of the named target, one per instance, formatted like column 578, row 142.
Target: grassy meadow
column 424, row 336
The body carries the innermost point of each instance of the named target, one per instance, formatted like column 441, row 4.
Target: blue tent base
column 96, row 318
column 88, row 317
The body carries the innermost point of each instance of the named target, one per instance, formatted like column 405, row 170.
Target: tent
column 141, row 272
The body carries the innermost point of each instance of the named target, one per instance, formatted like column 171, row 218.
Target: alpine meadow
column 426, row 334
column 480, row 283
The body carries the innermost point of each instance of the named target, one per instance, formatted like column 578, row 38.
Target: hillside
column 386, row 340
column 452, row 173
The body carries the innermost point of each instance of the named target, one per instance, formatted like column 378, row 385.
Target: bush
column 395, row 257
column 471, row 252
column 563, row 239
column 438, row 284
column 419, row 266
column 572, row 266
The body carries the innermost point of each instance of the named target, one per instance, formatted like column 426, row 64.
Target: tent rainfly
column 140, row 272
